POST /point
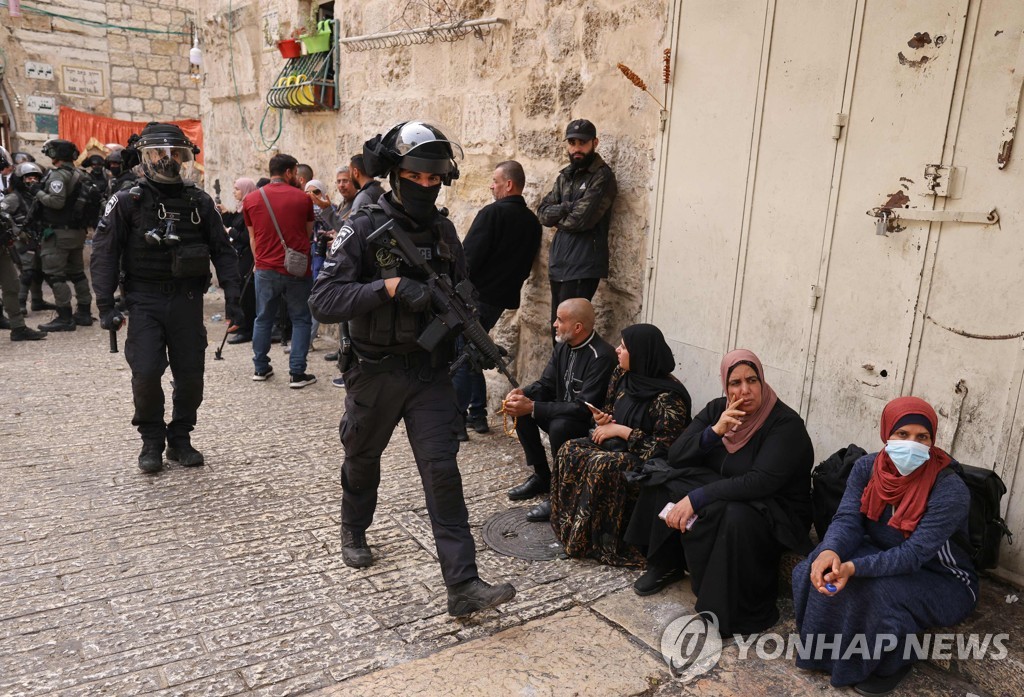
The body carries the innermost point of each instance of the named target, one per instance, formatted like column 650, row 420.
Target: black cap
column 581, row 129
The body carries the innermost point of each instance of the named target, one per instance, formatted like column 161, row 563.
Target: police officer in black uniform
column 160, row 237
column 387, row 307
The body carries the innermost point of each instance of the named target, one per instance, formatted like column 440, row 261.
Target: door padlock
column 881, row 227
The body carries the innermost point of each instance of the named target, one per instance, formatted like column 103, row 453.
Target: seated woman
column 590, row 499
column 739, row 479
column 888, row 565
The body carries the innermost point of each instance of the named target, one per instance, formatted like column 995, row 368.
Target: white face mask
column 907, row 455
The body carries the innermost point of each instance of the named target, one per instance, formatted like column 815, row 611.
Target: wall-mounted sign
column 38, row 71
column 83, row 81
column 41, row 105
column 45, row 123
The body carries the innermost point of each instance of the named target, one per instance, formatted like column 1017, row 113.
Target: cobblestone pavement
column 225, row 579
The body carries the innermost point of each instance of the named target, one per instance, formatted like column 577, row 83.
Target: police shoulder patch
column 56, row 186
column 343, row 234
column 110, row 205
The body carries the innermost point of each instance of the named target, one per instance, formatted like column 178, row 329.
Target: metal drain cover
column 509, row 533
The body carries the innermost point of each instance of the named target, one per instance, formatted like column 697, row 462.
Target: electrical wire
column 92, row 22
column 238, row 100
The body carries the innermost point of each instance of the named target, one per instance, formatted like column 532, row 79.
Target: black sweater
column 500, row 248
column 573, row 376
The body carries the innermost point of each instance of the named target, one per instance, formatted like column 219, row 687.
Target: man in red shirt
column 293, row 212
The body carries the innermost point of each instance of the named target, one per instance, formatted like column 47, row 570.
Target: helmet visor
column 425, row 148
column 167, row 164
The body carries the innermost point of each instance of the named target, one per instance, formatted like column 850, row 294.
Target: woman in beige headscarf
column 739, row 481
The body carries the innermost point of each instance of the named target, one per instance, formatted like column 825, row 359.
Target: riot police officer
column 63, row 244
column 387, row 306
column 24, row 184
column 11, row 212
column 160, row 237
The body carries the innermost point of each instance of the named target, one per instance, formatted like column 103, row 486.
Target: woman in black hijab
column 591, row 502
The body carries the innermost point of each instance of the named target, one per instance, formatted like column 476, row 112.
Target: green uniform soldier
column 24, row 183
column 63, row 245
column 9, row 274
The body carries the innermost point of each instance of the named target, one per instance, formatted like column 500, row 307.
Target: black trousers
column 424, row 398
column 248, row 301
column 564, row 290
column 559, row 430
column 166, row 329
column 731, row 552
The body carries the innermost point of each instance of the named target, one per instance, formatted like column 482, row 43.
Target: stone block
column 161, row 47
column 487, row 123
column 128, row 104
column 121, row 59
column 123, row 74
column 161, row 92
column 147, row 77
column 117, row 43
column 160, row 16
column 168, row 79
column 142, row 91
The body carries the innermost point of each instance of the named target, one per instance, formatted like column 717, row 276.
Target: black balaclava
column 417, row 200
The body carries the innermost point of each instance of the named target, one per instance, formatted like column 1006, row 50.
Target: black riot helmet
column 416, row 146
column 23, row 171
column 167, row 155
column 60, row 149
column 93, row 161
column 20, row 157
column 5, row 158
column 114, row 158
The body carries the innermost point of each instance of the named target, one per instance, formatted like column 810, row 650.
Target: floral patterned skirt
column 591, row 502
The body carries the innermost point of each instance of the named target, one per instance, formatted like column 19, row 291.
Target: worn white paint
column 762, row 240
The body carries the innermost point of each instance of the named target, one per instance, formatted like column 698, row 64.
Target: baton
column 113, row 335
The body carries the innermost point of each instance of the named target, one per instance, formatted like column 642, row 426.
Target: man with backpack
column 63, row 238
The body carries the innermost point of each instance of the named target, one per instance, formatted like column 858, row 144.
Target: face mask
column 907, row 455
column 418, row 201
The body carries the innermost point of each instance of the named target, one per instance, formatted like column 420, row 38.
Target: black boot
column 41, row 305
column 63, row 322
column 469, row 596
column 4, row 322
column 354, row 550
column 151, row 458
column 184, row 454
column 533, row 486
column 83, row 317
column 24, row 333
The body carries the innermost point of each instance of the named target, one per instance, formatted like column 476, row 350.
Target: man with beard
column 387, row 304
column 580, row 208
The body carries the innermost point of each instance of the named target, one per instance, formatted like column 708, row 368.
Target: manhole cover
column 509, row 533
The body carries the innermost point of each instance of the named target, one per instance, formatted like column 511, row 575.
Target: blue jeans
column 271, row 286
column 470, row 386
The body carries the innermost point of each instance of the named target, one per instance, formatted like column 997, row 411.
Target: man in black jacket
column 580, row 207
column 577, row 373
column 501, row 246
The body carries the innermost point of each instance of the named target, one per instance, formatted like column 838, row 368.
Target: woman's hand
column 602, row 418
column 609, row 430
column 731, row 418
column 321, row 201
column 678, row 516
column 827, row 568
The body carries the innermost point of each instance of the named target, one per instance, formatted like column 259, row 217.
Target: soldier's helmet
column 60, row 149
column 413, row 145
column 167, row 155
column 26, row 170
column 5, row 158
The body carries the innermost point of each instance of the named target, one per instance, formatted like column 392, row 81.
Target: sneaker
column 479, row 424
column 300, row 380
column 338, row 382
column 332, row 357
column 261, row 375
column 655, row 579
column 469, row 596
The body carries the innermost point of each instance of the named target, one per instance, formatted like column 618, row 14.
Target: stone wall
column 505, row 93
column 96, row 67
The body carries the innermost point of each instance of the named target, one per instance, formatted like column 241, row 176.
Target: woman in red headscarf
column 889, row 566
column 739, row 480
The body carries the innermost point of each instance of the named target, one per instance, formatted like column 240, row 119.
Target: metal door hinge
column 838, row 123
column 815, row 295
column 941, row 180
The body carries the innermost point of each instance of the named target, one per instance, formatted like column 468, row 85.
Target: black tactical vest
column 149, row 262
column 62, row 217
column 392, row 328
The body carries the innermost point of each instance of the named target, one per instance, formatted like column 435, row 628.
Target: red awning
column 87, row 130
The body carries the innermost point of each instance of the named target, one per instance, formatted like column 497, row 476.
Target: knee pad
column 55, row 279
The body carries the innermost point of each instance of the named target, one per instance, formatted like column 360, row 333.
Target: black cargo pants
column 165, row 327
column 377, row 398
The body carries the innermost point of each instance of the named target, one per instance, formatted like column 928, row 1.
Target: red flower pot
column 289, row 48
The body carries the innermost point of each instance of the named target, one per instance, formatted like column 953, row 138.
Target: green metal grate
column 310, row 82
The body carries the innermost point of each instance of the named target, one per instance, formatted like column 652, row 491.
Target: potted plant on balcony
column 317, row 36
column 288, row 44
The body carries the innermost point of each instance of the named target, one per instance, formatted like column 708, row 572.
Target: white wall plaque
column 83, row 81
column 38, row 71
column 41, row 105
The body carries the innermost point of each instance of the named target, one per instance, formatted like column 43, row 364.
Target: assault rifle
column 454, row 307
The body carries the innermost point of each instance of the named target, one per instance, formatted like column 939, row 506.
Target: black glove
column 413, row 294
column 111, row 319
column 233, row 311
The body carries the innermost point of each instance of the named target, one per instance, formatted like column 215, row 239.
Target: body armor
column 393, row 328
column 61, row 217
column 144, row 261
